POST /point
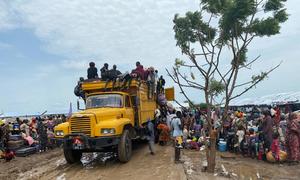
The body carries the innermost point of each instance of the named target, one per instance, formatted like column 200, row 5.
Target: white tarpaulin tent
column 280, row 98
column 177, row 106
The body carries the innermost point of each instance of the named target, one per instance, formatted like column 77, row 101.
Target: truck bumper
column 92, row 143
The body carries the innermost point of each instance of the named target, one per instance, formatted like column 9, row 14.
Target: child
column 275, row 148
column 8, row 155
column 50, row 136
column 185, row 134
column 28, row 140
column 240, row 134
column 276, row 155
column 261, row 149
column 163, row 134
column 252, row 143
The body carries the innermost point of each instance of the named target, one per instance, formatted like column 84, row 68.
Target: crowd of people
column 264, row 134
column 36, row 132
column 123, row 80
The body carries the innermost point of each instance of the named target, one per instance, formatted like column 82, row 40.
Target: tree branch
column 180, row 86
column 255, row 83
column 250, row 63
column 190, row 82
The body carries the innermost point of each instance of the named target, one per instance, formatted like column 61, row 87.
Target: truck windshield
column 104, row 100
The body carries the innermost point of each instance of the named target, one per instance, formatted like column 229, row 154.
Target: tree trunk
column 211, row 159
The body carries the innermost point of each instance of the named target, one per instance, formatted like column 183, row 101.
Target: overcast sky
column 45, row 46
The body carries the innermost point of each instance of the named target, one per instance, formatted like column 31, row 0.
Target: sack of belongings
column 26, row 151
column 271, row 158
column 14, row 145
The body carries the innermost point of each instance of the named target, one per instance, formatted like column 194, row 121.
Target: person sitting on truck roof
column 160, row 85
column 156, row 80
column 139, row 70
column 113, row 75
column 138, row 73
column 104, row 72
column 92, row 71
column 78, row 90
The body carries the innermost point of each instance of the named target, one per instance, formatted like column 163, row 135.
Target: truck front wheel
column 72, row 156
column 125, row 147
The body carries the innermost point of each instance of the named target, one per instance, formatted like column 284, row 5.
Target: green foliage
column 234, row 20
column 281, row 16
column 273, row 5
column 192, row 28
column 240, row 58
column 193, row 76
column 237, row 24
column 203, row 106
column 216, row 87
column 259, row 77
column 178, row 62
column 216, row 6
column 266, row 27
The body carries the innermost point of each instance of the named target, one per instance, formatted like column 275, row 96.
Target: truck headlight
column 108, row 131
column 59, row 133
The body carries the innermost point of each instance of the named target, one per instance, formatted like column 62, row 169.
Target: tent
column 273, row 99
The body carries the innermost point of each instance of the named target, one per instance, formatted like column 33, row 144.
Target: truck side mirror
column 78, row 105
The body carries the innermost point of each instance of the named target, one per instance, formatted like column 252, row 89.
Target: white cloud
column 7, row 16
column 5, row 45
column 121, row 32
column 75, row 64
column 115, row 31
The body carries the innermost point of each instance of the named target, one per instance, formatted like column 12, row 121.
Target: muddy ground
column 51, row 165
column 238, row 167
column 95, row 166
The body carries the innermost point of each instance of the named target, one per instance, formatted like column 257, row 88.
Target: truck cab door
column 128, row 109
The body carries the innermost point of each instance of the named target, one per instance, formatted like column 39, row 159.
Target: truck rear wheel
column 72, row 156
column 125, row 147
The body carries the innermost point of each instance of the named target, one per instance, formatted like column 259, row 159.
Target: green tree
column 207, row 36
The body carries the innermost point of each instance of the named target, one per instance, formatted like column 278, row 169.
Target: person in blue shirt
column 253, row 140
column 150, row 136
column 177, row 134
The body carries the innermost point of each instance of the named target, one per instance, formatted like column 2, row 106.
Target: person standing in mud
column 177, row 134
column 293, row 139
column 150, row 136
column 42, row 131
column 267, row 128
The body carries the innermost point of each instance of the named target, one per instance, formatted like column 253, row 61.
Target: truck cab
column 110, row 121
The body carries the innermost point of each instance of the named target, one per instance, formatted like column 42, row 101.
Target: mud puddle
column 97, row 166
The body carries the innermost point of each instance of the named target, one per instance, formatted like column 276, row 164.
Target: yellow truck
column 110, row 121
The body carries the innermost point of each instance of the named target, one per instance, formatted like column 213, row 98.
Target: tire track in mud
column 141, row 166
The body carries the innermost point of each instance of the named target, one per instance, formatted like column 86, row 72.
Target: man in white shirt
column 176, row 130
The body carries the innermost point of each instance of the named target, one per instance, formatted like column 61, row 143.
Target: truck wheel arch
column 130, row 128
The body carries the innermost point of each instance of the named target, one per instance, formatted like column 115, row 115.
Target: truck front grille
column 81, row 125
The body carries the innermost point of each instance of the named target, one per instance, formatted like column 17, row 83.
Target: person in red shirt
column 293, row 138
column 164, row 133
column 139, row 70
column 275, row 147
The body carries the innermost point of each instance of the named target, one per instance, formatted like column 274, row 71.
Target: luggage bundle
column 15, row 142
column 15, row 137
column 26, row 151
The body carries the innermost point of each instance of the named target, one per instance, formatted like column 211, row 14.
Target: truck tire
column 125, row 147
column 72, row 156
